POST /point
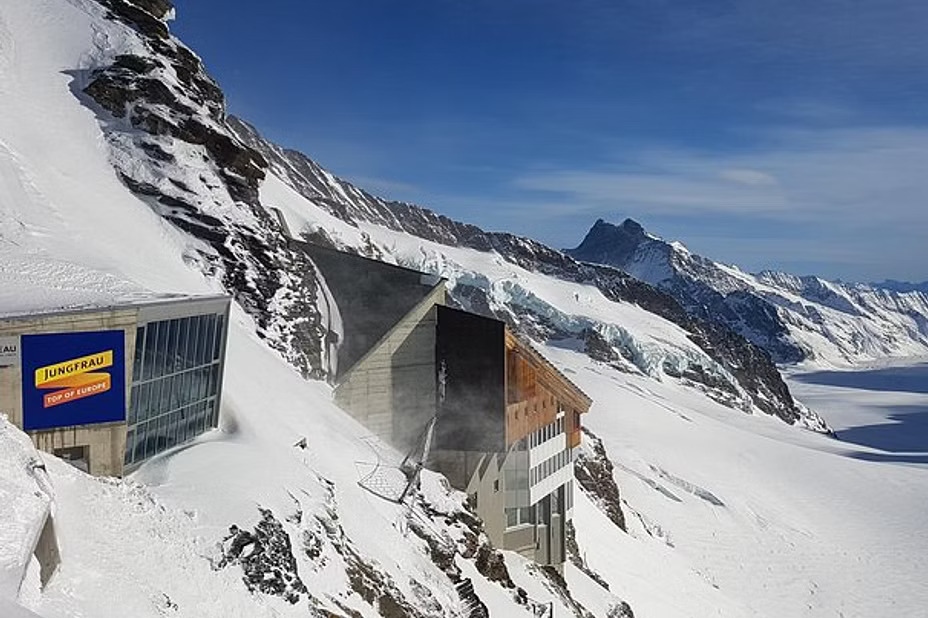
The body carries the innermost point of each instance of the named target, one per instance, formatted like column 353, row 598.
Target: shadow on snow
column 904, row 437
column 911, row 379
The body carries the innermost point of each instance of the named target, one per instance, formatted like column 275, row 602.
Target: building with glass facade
column 110, row 387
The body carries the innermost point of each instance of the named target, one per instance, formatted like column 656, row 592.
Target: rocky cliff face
column 792, row 318
column 165, row 121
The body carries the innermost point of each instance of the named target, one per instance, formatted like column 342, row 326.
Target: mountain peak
column 631, row 226
column 607, row 243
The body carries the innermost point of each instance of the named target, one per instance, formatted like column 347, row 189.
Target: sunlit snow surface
column 807, row 525
column 810, row 526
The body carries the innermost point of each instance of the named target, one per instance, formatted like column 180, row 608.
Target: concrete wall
column 521, row 539
column 106, row 442
column 392, row 390
column 372, row 296
column 488, row 485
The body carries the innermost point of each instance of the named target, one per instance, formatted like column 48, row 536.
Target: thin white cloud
column 801, row 175
column 751, row 178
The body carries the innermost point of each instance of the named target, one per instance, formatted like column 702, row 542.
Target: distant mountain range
column 794, row 318
column 902, row 286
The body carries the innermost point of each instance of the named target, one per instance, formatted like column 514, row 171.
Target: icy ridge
column 795, row 318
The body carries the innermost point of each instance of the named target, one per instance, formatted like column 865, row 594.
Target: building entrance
column 77, row 456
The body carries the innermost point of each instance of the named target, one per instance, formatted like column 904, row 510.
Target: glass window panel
column 193, row 420
column 130, row 444
column 195, row 384
column 213, row 414
column 206, row 323
column 193, row 335
column 183, row 430
column 182, row 425
column 191, row 385
column 154, row 398
column 171, row 361
column 220, row 332
column 136, row 452
column 204, row 418
column 170, row 398
column 182, row 335
column 210, row 339
column 139, row 347
column 173, row 420
column 151, row 398
column 141, row 447
column 204, row 382
column 214, row 380
column 162, row 430
column 160, row 393
column 174, row 401
column 190, row 424
column 167, row 394
column 201, row 375
column 188, row 388
column 144, row 390
column 164, row 396
column 133, row 404
column 151, row 339
column 161, row 353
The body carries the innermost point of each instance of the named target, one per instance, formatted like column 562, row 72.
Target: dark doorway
column 77, row 456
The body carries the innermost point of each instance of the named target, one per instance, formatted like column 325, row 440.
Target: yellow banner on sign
column 64, row 373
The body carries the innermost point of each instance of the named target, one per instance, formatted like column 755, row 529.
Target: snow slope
column 787, row 523
column 730, row 514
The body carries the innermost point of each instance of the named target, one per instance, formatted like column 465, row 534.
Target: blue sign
column 73, row 379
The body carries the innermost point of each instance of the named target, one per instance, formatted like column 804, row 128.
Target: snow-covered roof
column 49, row 308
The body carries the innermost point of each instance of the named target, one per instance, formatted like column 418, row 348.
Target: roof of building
column 580, row 399
column 46, row 303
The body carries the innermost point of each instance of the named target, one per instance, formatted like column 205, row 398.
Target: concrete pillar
column 542, row 556
column 557, row 539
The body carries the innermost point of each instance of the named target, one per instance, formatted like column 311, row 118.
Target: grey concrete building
column 506, row 421
column 109, row 387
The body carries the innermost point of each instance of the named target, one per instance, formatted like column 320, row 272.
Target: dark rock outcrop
column 164, row 118
column 266, row 557
column 594, row 473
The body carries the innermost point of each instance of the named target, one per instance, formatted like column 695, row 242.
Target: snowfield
column 729, row 514
column 807, row 525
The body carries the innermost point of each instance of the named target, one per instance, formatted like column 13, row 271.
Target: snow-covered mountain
column 121, row 175
column 217, row 181
column 901, row 286
column 794, row 318
column 538, row 290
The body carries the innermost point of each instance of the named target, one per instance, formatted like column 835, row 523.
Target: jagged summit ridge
column 794, row 318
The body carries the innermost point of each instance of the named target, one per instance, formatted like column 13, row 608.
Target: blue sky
column 773, row 134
